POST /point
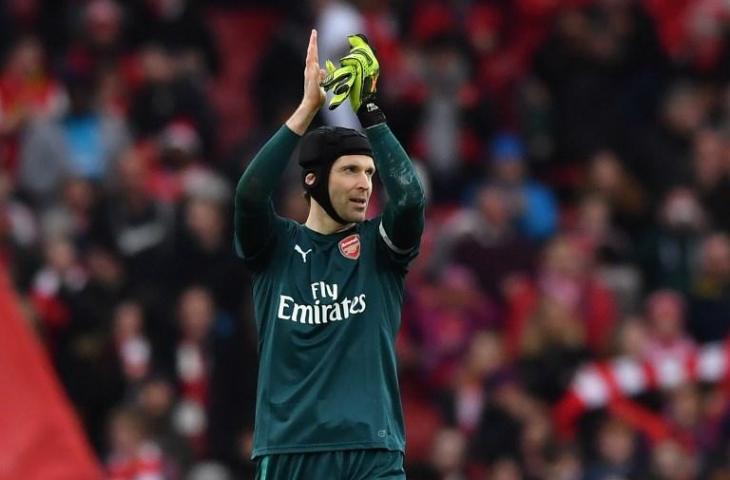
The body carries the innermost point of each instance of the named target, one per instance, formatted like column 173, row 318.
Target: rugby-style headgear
column 318, row 150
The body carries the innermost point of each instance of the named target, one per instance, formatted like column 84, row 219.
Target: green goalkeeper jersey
column 327, row 309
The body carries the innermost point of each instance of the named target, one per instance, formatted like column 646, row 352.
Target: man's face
column 351, row 183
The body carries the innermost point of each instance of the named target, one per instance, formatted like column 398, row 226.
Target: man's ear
column 310, row 178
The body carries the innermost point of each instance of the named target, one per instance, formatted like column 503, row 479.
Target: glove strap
column 370, row 114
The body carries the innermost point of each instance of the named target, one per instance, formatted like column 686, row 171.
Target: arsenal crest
column 350, row 246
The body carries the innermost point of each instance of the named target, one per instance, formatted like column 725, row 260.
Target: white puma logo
column 301, row 252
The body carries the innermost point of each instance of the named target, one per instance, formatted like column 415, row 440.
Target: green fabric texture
column 340, row 465
column 328, row 309
column 254, row 211
column 403, row 216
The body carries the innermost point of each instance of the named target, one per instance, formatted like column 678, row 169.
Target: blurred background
column 568, row 314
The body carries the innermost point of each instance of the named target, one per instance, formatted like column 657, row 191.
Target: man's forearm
column 301, row 118
column 403, row 217
column 262, row 175
column 254, row 213
column 253, row 207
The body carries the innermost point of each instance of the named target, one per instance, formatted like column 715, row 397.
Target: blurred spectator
column 98, row 41
column 483, row 366
column 61, row 277
column 617, row 453
column 193, row 363
column 668, row 340
column 133, row 349
column 443, row 319
column 78, row 319
column 18, row 219
column 106, row 287
column 671, row 462
column 203, row 247
column 446, row 141
column 482, row 239
column 506, row 469
column 506, row 418
column 449, row 455
column 276, row 86
column 553, row 343
column 156, row 401
column 175, row 162
column 602, row 62
column 73, row 212
column 684, row 415
column 132, row 454
column 661, row 156
column 668, row 249
column 28, row 92
column 536, row 209
column 608, row 178
column 534, row 443
column 565, row 465
column 712, row 175
column 19, row 232
column 23, row 17
column 613, row 251
column 137, row 226
column 632, row 338
column 709, row 318
column 43, row 167
column 594, row 223
column 575, row 309
column 206, row 361
column 691, row 34
column 178, row 26
column 94, row 140
column 85, row 143
column 166, row 96
column 535, row 118
column 715, row 412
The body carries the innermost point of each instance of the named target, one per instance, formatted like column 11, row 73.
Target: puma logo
column 301, row 252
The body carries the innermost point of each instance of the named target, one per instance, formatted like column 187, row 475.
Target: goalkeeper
column 328, row 294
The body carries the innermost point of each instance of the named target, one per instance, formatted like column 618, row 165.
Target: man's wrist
column 302, row 117
column 370, row 114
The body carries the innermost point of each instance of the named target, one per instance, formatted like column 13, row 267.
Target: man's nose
column 363, row 181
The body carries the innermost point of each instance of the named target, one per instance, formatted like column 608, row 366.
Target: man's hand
column 356, row 79
column 362, row 58
column 314, row 95
column 340, row 80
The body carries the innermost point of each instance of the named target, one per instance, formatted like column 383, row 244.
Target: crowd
column 576, row 155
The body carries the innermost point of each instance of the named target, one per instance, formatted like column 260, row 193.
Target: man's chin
column 354, row 217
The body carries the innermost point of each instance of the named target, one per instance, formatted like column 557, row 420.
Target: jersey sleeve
column 396, row 258
column 256, row 259
column 401, row 225
column 257, row 227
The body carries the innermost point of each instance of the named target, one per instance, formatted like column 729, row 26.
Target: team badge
column 350, row 246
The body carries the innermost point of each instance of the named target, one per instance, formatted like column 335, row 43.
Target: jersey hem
column 324, row 447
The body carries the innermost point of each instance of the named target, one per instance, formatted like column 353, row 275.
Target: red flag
column 40, row 437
